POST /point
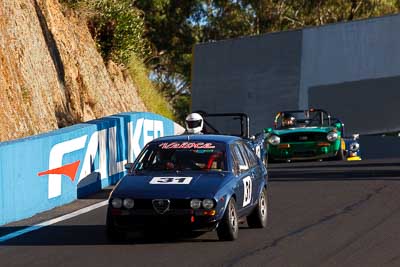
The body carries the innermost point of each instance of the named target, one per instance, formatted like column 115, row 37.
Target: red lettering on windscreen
column 186, row 145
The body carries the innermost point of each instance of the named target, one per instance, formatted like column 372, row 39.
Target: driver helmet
column 194, row 123
column 288, row 121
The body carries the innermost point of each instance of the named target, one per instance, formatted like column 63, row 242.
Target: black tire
column 228, row 228
column 340, row 155
column 270, row 159
column 258, row 218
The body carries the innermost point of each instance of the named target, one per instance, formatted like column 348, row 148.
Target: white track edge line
column 52, row 221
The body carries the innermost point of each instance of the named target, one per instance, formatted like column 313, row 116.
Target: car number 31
column 171, row 180
column 247, row 191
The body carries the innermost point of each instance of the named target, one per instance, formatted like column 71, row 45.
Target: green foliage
column 231, row 19
column 162, row 33
column 278, row 15
column 181, row 106
column 152, row 98
column 118, row 28
column 227, row 19
column 171, row 33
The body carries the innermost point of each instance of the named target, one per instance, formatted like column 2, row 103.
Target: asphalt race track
column 321, row 214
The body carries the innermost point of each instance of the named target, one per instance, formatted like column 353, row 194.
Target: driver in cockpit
column 288, row 121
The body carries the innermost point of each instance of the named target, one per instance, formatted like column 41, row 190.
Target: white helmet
column 194, row 123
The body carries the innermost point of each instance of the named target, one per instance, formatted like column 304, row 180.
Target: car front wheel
column 228, row 228
column 340, row 155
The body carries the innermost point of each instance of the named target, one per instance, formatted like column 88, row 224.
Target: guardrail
column 44, row 171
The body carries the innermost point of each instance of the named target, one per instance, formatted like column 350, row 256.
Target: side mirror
column 338, row 125
column 267, row 130
column 243, row 167
column 128, row 166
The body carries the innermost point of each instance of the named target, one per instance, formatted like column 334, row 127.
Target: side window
column 250, row 154
column 242, row 160
column 143, row 157
column 245, row 155
column 235, row 162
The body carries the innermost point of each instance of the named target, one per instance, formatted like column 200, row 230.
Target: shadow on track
column 387, row 170
column 338, row 175
column 336, row 164
column 89, row 235
column 103, row 194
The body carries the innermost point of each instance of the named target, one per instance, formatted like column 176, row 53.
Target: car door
column 257, row 170
column 244, row 181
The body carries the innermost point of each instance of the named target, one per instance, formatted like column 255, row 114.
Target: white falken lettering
column 142, row 126
column 114, row 166
column 97, row 145
column 57, row 153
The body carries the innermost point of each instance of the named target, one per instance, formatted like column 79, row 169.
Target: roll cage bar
column 243, row 117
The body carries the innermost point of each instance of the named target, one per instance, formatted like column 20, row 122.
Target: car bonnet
column 171, row 185
column 303, row 130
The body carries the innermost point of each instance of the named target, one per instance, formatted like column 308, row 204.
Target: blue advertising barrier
column 44, row 171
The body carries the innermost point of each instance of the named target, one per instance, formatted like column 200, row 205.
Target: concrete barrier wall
column 256, row 75
column 351, row 69
column 379, row 147
column 48, row 170
column 366, row 107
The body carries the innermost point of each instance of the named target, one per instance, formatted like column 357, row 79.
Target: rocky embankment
column 51, row 74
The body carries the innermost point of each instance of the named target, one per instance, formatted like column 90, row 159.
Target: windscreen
column 192, row 155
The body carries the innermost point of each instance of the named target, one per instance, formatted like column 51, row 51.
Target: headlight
column 354, row 146
column 208, row 204
column 128, row 203
column 274, row 140
column 116, row 203
column 332, row 136
column 195, row 203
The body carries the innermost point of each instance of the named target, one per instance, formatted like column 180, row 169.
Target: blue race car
column 191, row 183
column 351, row 145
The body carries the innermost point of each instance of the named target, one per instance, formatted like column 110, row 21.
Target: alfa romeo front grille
column 161, row 206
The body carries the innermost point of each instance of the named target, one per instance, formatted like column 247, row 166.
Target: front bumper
column 302, row 151
column 179, row 220
column 354, row 158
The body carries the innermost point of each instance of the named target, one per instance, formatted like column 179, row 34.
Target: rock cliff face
column 51, row 74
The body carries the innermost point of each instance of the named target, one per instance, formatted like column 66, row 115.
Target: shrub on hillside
column 117, row 26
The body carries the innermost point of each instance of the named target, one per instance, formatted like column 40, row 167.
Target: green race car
column 308, row 135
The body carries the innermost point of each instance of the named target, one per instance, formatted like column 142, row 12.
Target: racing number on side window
column 171, row 180
column 247, row 191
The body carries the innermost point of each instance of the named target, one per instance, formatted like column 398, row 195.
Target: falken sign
column 45, row 171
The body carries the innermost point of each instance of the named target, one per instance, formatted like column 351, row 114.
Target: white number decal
column 171, row 180
column 247, row 191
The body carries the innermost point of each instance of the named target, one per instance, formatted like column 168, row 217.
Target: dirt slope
column 51, row 74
